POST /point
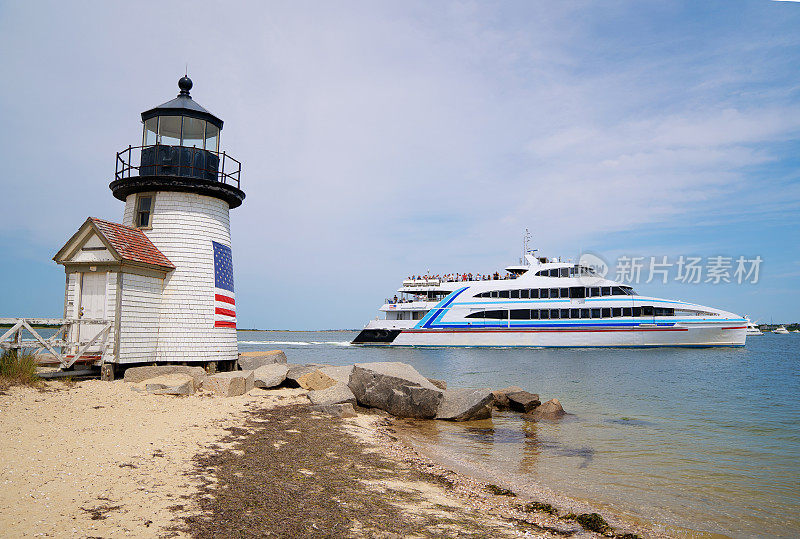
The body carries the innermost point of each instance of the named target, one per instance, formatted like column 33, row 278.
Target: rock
column 254, row 360
column 340, row 374
column 337, row 394
column 140, row 374
column 296, row 371
column 501, row 396
column 230, row 384
column 316, row 380
column 466, row 404
column 441, row 384
column 268, row 376
column 170, row 384
column 550, row 410
column 522, row 401
column 336, row 410
column 396, row 388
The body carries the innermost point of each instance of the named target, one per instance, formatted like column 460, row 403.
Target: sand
column 98, row 459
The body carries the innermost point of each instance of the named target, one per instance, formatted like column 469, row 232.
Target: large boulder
column 466, row 404
column 253, row 360
column 522, row 401
column 170, row 384
column 316, row 380
column 296, row 371
column 396, row 388
column 340, row 374
column 136, row 375
column 268, row 376
column 230, row 384
column 336, row 394
column 501, row 396
column 441, row 384
column 550, row 410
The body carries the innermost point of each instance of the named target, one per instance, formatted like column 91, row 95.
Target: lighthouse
column 161, row 282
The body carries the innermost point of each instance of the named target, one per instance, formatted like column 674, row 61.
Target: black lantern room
column 179, row 152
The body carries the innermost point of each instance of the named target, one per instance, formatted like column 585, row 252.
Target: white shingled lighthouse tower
column 163, row 278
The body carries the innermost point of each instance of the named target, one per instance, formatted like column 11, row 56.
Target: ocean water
column 698, row 442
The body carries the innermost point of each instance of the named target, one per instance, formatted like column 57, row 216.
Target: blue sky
column 383, row 139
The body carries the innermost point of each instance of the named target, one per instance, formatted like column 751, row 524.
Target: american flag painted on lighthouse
column 224, row 298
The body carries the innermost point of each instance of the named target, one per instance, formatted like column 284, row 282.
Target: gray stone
column 254, row 360
column 441, row 384
column 336, row 410
column 522, row 401
column 501, row 396
column 170, row 384
column 316, row 380
column 466, row 404
column 340, row 374
column 230, row 384
column 396, row 388
column 337, row 394
column 550, row 410
column 296, row 371
column 140, row 374
column 268, row 376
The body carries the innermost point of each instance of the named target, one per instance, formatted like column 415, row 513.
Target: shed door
column 93, row 304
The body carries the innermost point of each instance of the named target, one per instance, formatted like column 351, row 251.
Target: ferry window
column 669, row 311
column 574, row 313
column 606, row 291
column 520, row 314
column 534, row 314
column 647, row 310
column 595, row 313
column 504, row 293
column 594, row 292
column 616, row 312
column 658, row 311
column 418, row 315
column 564, row 272
column 618, row 291
column 554, row 273
column 553, row 293
column 564, row 313
column 544, row 293
column 544, row 314
column 514, row 294
column 534, row 293
column 577, row 292
column 497, row 315
column 478, row 314
column 585, row 313
column 606, row 313
column 478, row 295
column 523, row 294
column 565, row 292
column 637, row 311
column 554, row 314
column 626, row 311
column 495, row 294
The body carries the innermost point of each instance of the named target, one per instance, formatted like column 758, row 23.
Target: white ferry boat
column 544, row 303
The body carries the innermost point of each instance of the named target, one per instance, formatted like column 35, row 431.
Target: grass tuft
column 18, row 368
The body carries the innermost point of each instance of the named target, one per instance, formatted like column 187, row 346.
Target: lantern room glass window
column 169, row 130
column 193, row 132
column 181, row 131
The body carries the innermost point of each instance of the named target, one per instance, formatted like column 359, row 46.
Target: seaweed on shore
column 499, row 491
column 540, row 507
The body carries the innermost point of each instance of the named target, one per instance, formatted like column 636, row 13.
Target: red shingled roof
column 131, row 243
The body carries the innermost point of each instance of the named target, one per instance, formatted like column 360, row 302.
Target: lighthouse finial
column 185, row 84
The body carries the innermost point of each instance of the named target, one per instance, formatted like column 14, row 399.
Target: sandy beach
column 97, row 459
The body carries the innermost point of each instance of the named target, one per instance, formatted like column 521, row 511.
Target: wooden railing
column 64, row 345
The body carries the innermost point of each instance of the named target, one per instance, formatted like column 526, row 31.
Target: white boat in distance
column 780, row 330
column 752, row 328
column 545, row 303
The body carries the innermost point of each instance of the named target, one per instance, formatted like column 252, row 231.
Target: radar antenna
column 526, row 238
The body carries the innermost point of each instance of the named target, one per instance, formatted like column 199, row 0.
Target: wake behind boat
column 544, row 303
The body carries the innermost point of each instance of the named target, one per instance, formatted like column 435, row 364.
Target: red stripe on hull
column 736, row 327
column 224, row 299
column 221, row 324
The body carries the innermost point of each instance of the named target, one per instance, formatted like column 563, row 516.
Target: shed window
column 144, row 204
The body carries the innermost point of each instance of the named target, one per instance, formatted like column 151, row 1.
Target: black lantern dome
column 179, row 152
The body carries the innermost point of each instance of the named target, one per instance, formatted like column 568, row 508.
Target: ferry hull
column 634, row 337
